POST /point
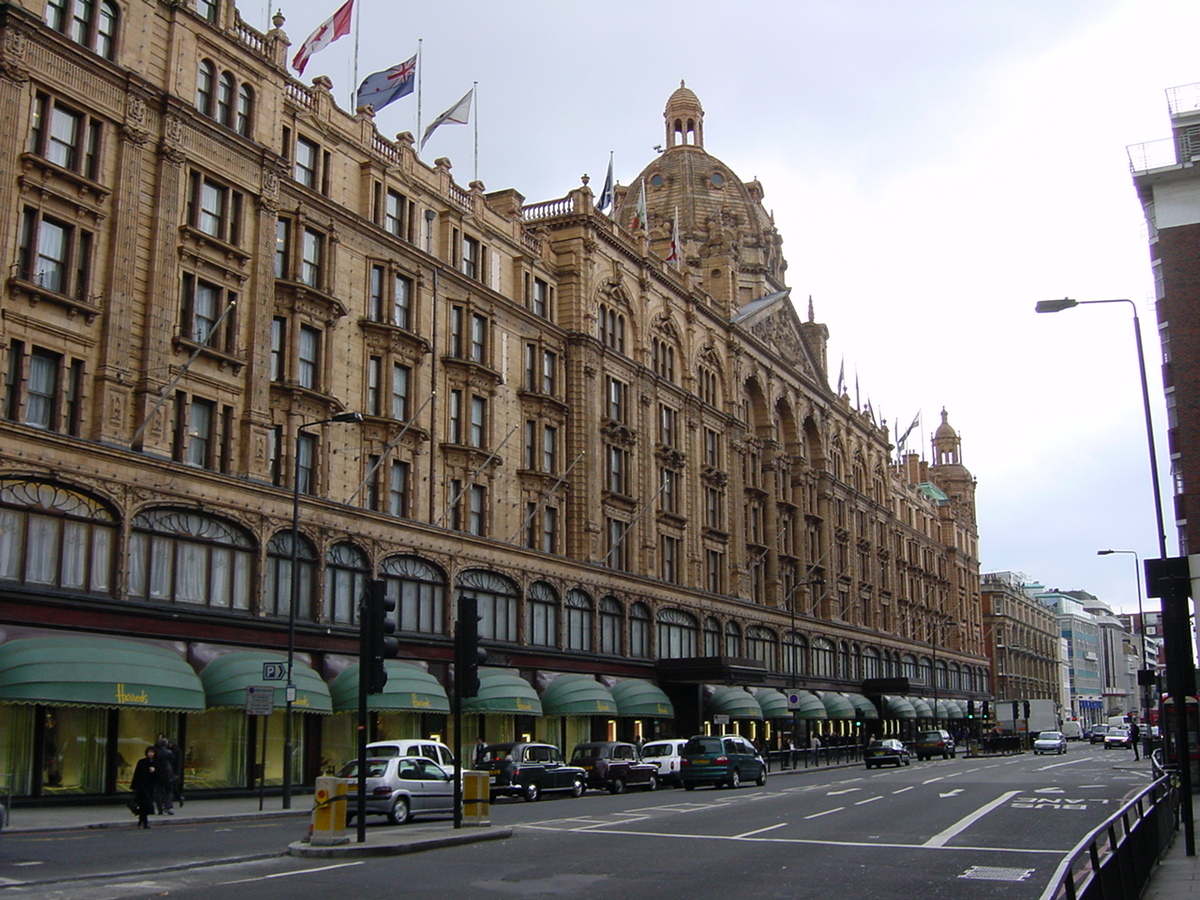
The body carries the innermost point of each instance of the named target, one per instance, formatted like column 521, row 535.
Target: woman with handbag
column 145, row 775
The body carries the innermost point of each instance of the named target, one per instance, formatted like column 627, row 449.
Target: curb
column 396, row 845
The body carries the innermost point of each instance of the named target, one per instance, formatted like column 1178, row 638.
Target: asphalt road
column 962, row 828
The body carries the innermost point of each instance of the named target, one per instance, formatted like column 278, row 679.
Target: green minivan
column 719, row 760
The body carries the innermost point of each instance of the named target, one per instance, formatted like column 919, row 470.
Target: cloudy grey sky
column 935, row 168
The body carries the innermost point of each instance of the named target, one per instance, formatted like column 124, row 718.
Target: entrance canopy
column 228, row 675
column 409, row 688
column 577, row 695
column 503, row 691
column 641, row 699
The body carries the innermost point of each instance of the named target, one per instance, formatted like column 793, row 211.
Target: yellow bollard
column 476, row 798
column 329, row 812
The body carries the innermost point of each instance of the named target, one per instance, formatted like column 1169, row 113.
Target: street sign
column 720, row 720
column 274, row 671
column 260, row 700
column 793, row 700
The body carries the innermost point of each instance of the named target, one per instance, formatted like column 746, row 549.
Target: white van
column 439, row 753
column 1072, row 731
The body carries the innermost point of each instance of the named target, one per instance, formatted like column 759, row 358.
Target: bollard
column 476, row 798
column 329, row 812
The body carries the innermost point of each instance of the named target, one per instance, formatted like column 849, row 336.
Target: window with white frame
column 419, row 590
column 86, row 22
column 347, row 571
column 56, row 255
column 612, row 620
column 579, row 621
column 184, row 556
column 55, row 537
column 541, row 615
column 65, row 136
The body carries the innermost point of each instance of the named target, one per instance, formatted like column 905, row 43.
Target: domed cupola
column 685, row 119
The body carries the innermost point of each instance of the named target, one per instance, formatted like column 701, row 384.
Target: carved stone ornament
column 172, row 143
column 12, row 65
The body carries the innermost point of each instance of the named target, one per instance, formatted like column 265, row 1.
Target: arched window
column 346, row 574
column 53, row 536
column 206, row 84
column 824, row 661
column 925, row 671
column 226, row 88
column 760, row 645
column 612, row 621
column 182, row 556
column 579, row 621
column 909, row 668
column 86, row 22
column 941, row 674
column 847, row 668
column 733, row 639
column 956, row 680
column 712, row 637
column 418, row 589
column 541, row 615
column 639, row 631
column 243, row 121
column 677, row 632
column 278, row 596
column 871, row 666
column 611, row 328
column 497, row 597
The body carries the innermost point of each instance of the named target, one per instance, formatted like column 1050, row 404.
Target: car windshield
column 931, row 736
column 657, row 750
column 701, row 746
column 585, row 753
column 1050, row 736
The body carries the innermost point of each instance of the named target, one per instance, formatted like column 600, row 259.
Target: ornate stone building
column 632, row 459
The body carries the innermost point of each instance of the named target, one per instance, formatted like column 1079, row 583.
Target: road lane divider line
column 826, row 813
column 294, row 872
column 942, row 837
column 868, row 800
column 903, row 789
column 760, row 830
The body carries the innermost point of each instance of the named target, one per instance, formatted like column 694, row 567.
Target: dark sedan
column 887, row 751
column 529, row 770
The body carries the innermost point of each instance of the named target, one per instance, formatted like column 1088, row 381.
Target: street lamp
column 933, row 674
column 294, row 601
column 1143, row 681
column 791, row 601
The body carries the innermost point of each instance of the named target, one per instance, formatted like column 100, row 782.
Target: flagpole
column 354, row 79
column 420, row 70
column 475, row 100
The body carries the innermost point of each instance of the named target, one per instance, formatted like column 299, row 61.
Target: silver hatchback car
column 400, row 787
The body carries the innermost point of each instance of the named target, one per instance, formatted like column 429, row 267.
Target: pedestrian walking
column 143, row 786
column 164, row 779
column 177, row 762
column 1135, row 735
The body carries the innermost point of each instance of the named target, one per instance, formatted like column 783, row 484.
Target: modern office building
column 257, row 355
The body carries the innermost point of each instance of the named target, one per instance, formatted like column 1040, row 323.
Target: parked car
column 666, row 756
column 528, row 770
column 614, row 765
column 936, row 742
column 1096, row 735
column 438, row 752
column 721, row 759
column 1116, row 736
column 400, row 787
column 1050, row 742
column 884, row 751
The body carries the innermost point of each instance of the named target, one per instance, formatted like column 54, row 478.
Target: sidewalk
column 1177, row 875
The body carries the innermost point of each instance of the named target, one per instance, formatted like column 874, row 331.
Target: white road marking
column 952, row 793
column 827, row 812
column 940, row 839
column 932, row 780
column 295, row 872
column 843, row 791
column 760, row 830
column 868, row 800
column 903, row 789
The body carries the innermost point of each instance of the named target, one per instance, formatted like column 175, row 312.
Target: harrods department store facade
column 638, row 468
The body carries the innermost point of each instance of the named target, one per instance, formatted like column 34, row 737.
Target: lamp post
column 933, row 674
column 1179, row 658
column 791, row 602
column 294, row 600
column 1137, row 562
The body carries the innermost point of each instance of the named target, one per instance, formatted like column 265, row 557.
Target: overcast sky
column 935, row 169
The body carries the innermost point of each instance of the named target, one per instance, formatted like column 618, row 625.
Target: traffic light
column 984, row 714
column 1027, row 709
column 467, row 652
column 378, row 644
column 1016, row 711
column 970, row 709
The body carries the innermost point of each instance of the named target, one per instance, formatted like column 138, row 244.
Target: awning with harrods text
column 409, row 688
column 638, row 698
column 735, row 702
column 898, row 708
column 227, row 676
column 503, row 691
column 87, row 670
column 836, row 705
column 572, row 694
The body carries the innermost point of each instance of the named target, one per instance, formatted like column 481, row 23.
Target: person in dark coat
column 164, row 779
column 1135, row 735
column 142, row 784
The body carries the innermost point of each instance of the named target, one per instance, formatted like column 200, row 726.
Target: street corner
column 395, row 842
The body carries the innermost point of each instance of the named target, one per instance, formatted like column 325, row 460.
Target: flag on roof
column 841, row 388
column 606, row 193
column 382, row 88
column 639, row 212
column 329, row 31
column 458, row 114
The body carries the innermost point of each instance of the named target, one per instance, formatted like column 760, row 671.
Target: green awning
column 864, row 707
column 836, row 705
column 84, row 670
column 947, row 709
column 958, row 708
column 642, row 699
column 735, row 702
column 898, row 708
column 922, row 707
column 577, row 695
column 773, row 704
column 503, row 691
column 409, row 688
column 228, row 675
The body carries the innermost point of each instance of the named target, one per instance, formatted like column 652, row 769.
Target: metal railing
column 1116, row 860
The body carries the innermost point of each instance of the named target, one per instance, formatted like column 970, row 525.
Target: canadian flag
column 328, row 32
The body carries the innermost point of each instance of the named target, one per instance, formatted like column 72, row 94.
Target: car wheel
column 907, row 761
column 869, row 766
column 762, row 777
column 578, row 787
column 735, row 780
column 652, row 784
column 532, row 791
column 689, row 785
column 617, row 786
column 398, row 814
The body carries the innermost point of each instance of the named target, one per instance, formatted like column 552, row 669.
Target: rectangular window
column 64, row 136
column 455, row 413
column 393, row 214
column 549, row 449
column 307, row 156
column 714, row 513
column 457, row 314
column 477, row 510
column 712, row 448
column 202, row 305
column 471, row 263
column 615, row 392
column 308, row 357
column 478, row 421
column 56, row 255
column 478, row 338
column 374, row 378
column 618, row 469
column 668, row 498
column 283, row 245
column 549, row 365
column 617, row 543
column 714, row 564
column 402, row 301
column 306, row 460
column 201, row 428
column 531, row 372
column 41, row 396
column 311, row 253
column 278, row 349
column 454, row 508
column 398, row 490
column 275, row 453
column 531, row 445
column 400, row 381
column 215, row 209
column 668, row 553
column 541, row 298
column 375, row 298
column 372, row 491
column 549, row 529
column 667, row 418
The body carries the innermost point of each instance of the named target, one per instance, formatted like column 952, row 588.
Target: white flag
column 459, row 114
